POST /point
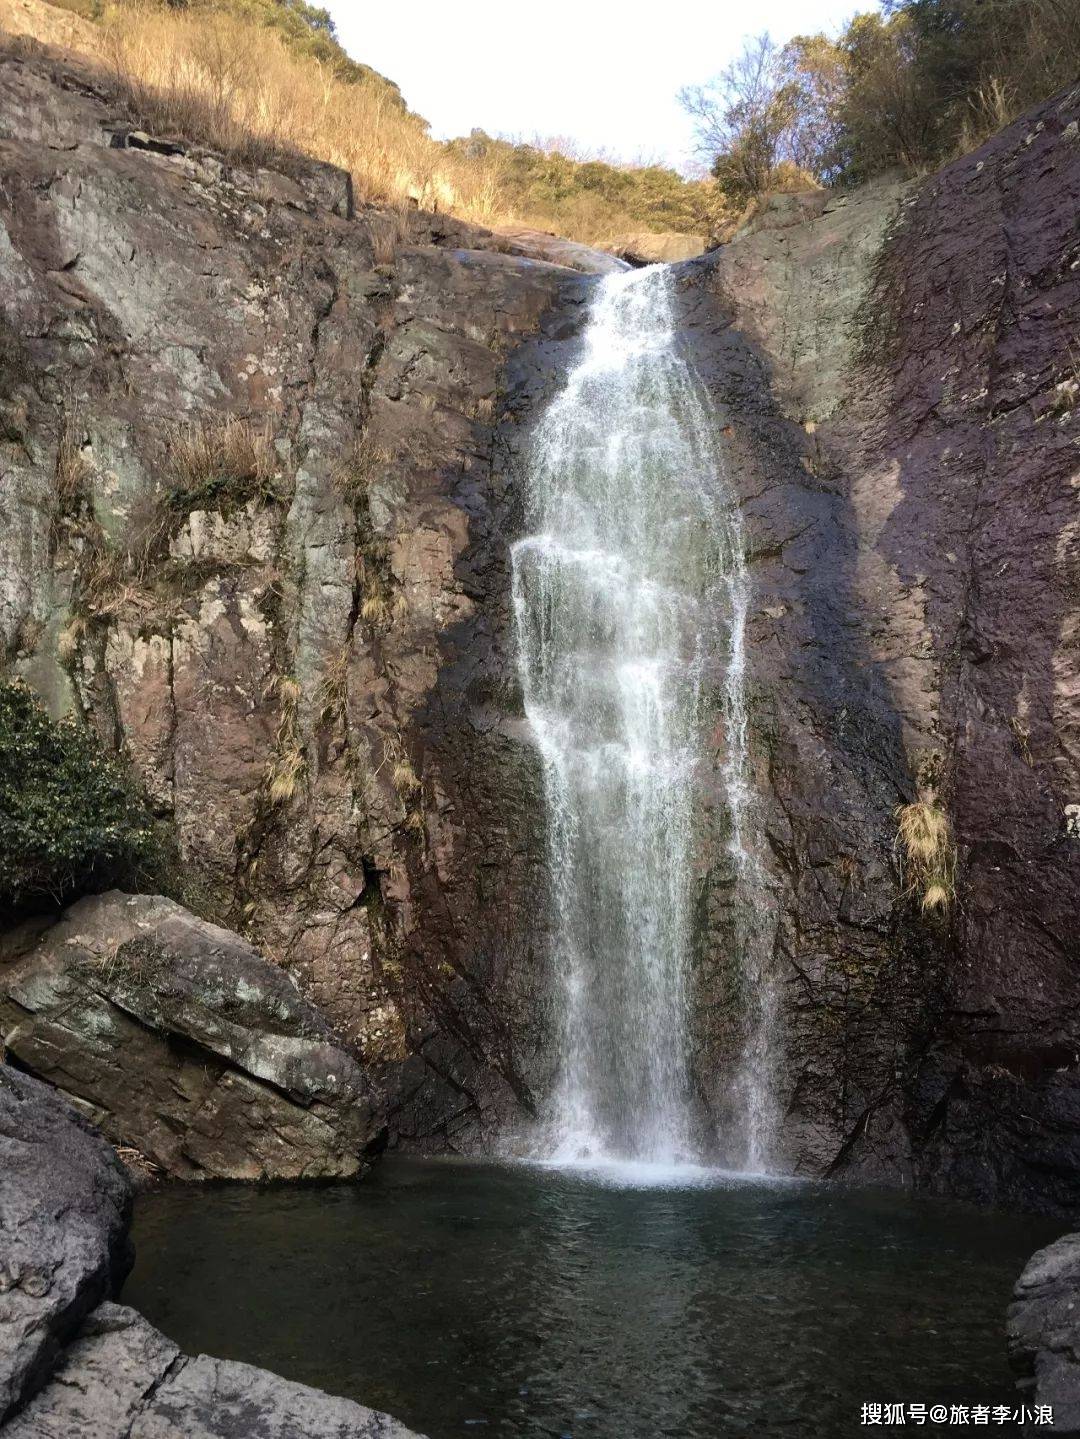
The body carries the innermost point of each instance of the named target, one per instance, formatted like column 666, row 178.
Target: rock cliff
column 253, row 533
column 895, row 371
column 258, row 455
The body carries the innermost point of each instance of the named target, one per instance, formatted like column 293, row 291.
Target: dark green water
column 472, row 1299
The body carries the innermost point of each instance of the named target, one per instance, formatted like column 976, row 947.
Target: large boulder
column 65, row 1200
column 178, row 1039
column 1044, row 1332
column 554, row 250
column 123, row 1380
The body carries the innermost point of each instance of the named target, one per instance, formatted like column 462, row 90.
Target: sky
column 593, row 72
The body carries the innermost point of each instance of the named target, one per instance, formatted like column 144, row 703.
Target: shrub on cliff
column 70, row 818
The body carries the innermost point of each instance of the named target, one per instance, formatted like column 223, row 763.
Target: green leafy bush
column 909, row 86
column 70, row 819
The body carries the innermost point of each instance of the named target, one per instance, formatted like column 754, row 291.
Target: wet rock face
column 895, row 370
column 179, row 1040
column 302, row 647
column 307, row 651
column 65, row 1202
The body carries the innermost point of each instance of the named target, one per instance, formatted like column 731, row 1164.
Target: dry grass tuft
column 107, row 584
column 288, row 764
column 380, row 606
column 935, row 899
column 334, row 689
column 404, row 777
column 483, row 409
column 71, row 476
column 356, row 469
column 924, row 840
column 376, row 609
column 286, row 773
column 221, row 464
column 923, row 830
column 388, row 230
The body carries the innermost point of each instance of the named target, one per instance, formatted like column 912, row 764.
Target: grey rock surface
column 177, row 1038
column 555, row 250
column 122, row 1379
column 74, row 1365
column 1044, row 1333
column 898, row 413
column 65, row 1202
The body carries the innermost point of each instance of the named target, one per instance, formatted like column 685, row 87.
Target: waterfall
column 629, row 582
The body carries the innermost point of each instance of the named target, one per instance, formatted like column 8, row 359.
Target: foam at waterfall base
column 613, row 1173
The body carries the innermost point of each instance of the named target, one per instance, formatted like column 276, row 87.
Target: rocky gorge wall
column 308, row 662
column 896, row 371
column 303, row 658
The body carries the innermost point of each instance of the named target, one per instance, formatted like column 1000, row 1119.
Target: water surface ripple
column 530, row 1301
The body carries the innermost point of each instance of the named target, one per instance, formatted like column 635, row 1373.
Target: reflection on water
column 528, row 1301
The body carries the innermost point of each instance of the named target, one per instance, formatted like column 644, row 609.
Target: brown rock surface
column 898, row 376
column 180, row 1041
column 314, row 675
column 310, row 678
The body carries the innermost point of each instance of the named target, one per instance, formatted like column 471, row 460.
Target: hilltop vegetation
column 909, row 87
column 257, row 77
column 544, row 185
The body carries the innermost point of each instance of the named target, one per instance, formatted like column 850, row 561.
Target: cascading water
column 630, row 578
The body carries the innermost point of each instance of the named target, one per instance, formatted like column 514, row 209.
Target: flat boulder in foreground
column 122, row 1379
column 178, row 1039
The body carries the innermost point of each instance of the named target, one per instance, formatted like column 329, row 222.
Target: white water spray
column 630, row 579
